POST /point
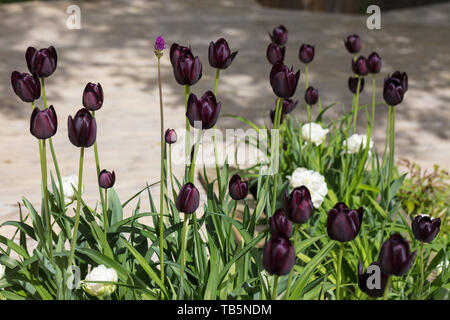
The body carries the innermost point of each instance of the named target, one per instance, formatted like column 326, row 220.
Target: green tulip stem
column 422, row 279
column 43, row 158
column 97, row 167
column 275, row 285
column 372, row 119
column 291, row 273
column 187, row 147
column 306, row 77
column 105, row 216
column 233, row 213
column 355, row 107
column 194, row 157
column 339, row 272
column 216, row 156
column 171, row 173
column 391, row 120
column 183, row 254
column 77, row 213
column 388, row 285
column 277, row 120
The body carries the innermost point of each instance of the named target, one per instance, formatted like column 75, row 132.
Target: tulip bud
column 220, row 55
column 395, row 87
column 353, row 43
column 206, row 110
column 425, row 229
column 280, row 225
column 159, row 47
column 344, row 224
column 395, row 258
column 283, row 81
column 27, row 87
column 288, row 106
column 306, row 53
column 360, row 66
column 188, row 198
column 43, row 123
column 275, row 53
column 106, row 179
column 363, row 278
column 186, row 68
column 93, row 96
column 353, row 84
column 278, row 256
column 100, row 273
column 170, row 136
column 374, row 62
column 237, row 188
column 279, row 35
column 82, row 129
column 311, row 96
column 42, row 62
column 299, row 205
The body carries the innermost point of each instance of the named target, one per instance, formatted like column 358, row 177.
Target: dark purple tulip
column 403, row 78
column 220, row 55
column 353, row 84
column 280, row 225
column 288, row 106
column 275, row 53
column 188, row 198
column 395, row 258
column 42, row 62
column 238, row 188
column 170, row 136
column 360, row 66
column 363, row 276
column 186, row 68
column 278, row 256
column 43, row 123
column 344, row 224
column 299, row 205
column 306, row 53
column 374, row 62
column 27, row 87
column 82, row 128
column 279, row 35
column 93, row 96
column 206, row 110
column 311, row 96
column 353, row 43
column 106, row 179
column 394, row 89
column 283, row 81
column 425, row 229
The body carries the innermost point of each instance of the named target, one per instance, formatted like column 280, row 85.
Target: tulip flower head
column 360, row 66
column 377, row 287
column 27, row 87
column 186, row 68
column 275, row 53
column 106, row 179
column 395, row 87
column 220, row 55
column 280, row 225
column 82, row 129
column 353, row 84
column 93, row 96
column 306, row 53
column 204, row 110
column 100, row 273
column 237, row 188
column 283, row 81
column 188, row 198
column 299, row 205
column 41, row 62
column 395, row 257
column 43, row 123
column 424, row 228
column 353, row 44
column 344, row 224
column 170, row 136
column 311, row 96
column 278, row 256
column 279, row 35
column 374, row 62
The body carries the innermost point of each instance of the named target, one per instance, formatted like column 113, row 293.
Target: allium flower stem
column 355, row 107
column 216, row 156
column 291, row 274
column 275, row 286
column 77, row 213
column 43, row 158
column 339, row 272
column 171, row 172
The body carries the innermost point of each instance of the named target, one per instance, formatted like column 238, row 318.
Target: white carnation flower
column 68, row 182
column 355, row 142
column 100, row 273
column 2, row 271
column 313, row 180
column 318, row 134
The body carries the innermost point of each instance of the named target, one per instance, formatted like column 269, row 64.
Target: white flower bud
column 100, row 273
column 68, row 182
column 355, row 142
column 313, row 180
column 318, row 134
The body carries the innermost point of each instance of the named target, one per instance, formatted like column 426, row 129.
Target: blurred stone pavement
column 115, row 47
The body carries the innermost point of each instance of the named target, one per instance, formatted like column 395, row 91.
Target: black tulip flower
column 206, row 110
column 278, row 256
column 353, row 84
column 394, row 88
column 344, row 224
column 275, row 53
column 360, row 66
column 299, row 205
column 220, row 55
column 311, row 96
column 403, row 78
column 93, row 96
column 283, row 81
column 27, row 87
column 395, row 258
column 170, row 136
column 279, row 35
column 186, row 68
column 188, row 198
column 280, row 225
column 425, row 229
column 82, row 129
column 306, row 53
column 238, row 188
column 42, row 62
column 374, row 62
column 288, row 106
column 363, row 277
column 43, row 123
column 353, row 43
column 106, row 179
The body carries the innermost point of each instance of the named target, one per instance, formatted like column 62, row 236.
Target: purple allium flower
column 160, row 45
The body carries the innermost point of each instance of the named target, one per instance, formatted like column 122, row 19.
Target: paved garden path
column 114, row 47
